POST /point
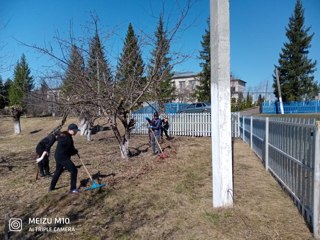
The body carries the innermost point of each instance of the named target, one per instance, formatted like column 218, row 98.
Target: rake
column 162, row 154
column 94, row 185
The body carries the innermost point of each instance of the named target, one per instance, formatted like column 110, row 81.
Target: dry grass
column 146, row 198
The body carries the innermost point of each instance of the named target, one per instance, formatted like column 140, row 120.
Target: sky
column 257, row 32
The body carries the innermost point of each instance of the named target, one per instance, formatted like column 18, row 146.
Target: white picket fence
column 181, row 124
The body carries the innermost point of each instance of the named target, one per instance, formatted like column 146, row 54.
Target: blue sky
column 257, row 31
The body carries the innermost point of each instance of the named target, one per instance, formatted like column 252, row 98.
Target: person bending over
column 65, row 149
column 43, row 151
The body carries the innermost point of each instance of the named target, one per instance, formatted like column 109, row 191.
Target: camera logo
column 15, row 224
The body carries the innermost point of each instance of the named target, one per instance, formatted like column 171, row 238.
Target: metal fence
column 290, row 149
column 182, row 124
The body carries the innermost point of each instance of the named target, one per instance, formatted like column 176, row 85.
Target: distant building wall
column 187, row 82
column 238, row 87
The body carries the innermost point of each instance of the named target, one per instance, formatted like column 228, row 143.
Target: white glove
column 40, row 158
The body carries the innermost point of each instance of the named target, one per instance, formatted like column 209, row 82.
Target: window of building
column 192, row 84
column 182, row 85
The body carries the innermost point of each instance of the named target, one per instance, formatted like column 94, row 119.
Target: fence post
column 266, row 139
column 316, row 183
column 251, row 131
column 238, row 124
column 243, row 138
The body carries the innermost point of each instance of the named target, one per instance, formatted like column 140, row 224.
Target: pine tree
column 6, row 89
column 22, row 84
column 202, row 92
column 295, row 69
column 74, row 71
column 130, row 68
column 2, row 97
column 249, row 100
column 99, row 72
column 162, row 90
column 259, row 102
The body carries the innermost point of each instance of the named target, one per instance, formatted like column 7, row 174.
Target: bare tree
column 98, row 95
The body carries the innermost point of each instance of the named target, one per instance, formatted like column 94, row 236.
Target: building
column 186, row 83
column 237, row 88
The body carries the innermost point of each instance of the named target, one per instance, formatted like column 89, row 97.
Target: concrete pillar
column 220, row 101
column 316, row 184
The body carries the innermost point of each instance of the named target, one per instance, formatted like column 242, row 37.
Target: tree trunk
column 17, row 126
column 89, row 133
column 123, row 151
column 16, row 114
column 122, row 141
column 83, row 126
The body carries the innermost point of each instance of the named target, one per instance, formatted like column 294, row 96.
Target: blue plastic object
column 94, row 185
column 311, row 106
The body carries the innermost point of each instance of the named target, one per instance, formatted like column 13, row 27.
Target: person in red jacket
column 65, row 149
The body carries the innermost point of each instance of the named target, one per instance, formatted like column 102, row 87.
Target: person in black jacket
column 65, row 149
column 165, row 127
column 43, row 151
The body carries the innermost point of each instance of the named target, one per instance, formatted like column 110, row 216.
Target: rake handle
column 85, row 168
column 156, row 141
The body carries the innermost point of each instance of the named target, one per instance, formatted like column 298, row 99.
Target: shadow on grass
column 136, row 151
column 35, row 131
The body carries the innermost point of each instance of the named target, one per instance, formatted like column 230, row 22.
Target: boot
column 41, row 169
column 47, row 172
column 41, row 173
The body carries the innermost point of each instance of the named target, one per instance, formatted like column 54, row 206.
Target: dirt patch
column 146, row 197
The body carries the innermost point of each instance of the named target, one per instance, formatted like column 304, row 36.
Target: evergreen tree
column 295, row 69
column 202, row 92
column 249, row 100
column 259, row 102
column 74, row 71
column 6, row 89
column 130, row 68
column 22, row 84
column 162, row 90
column 2, row 97
column 99, row 72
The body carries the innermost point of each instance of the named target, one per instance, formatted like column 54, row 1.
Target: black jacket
column 65, row 148
column 45, row 144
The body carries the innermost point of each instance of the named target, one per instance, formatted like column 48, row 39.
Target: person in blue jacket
column 155, row 127
column 65, row 149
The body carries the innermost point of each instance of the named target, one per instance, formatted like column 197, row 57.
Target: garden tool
column 94, row 185
column 162, row 154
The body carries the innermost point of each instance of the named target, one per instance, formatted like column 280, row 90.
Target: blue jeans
column 155, row 147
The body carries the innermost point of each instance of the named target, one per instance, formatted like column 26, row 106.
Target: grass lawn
column 146, row 197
